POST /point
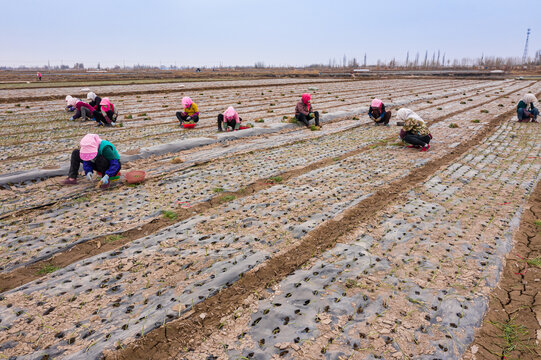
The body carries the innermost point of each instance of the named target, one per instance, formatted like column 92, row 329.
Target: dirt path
column 511, row 328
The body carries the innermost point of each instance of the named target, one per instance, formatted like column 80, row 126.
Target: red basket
column 244, row 127
column 188, row 126
column 135, row 176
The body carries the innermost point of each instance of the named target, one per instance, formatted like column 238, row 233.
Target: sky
column 275, row 32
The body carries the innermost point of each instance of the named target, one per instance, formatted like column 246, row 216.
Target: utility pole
column 364, row 63
column 525, row 55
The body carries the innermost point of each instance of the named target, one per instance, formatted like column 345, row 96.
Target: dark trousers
column 419, row 140
column 181, row 116
column 100, row 164
column 100, row 118
column 304, row 119
column 385, row 119
column 85, row 113
column 227, row 124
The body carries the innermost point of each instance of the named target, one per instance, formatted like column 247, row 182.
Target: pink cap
column 306, row 98
column 90, row 144
column 186, row 102
column 376, row 103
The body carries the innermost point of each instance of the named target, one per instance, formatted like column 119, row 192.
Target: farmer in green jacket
column 96, row 155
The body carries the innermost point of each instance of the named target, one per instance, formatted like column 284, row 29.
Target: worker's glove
column 311, row 115
column 71, row 118
column 89, row 176
column 104, row 180
column 189, row 118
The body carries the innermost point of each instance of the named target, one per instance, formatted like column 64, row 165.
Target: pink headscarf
column 230, row 113
column 186, row 102
column 90, row 144
column 376, row 103
column 106, row 105
column 306, row 98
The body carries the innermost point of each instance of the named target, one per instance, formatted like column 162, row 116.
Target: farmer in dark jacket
column 304, row 111
column 378, row 114
column 96, row 155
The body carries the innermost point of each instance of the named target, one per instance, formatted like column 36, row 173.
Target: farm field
column 275, row 241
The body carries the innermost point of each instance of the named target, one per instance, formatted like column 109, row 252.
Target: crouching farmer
column 230, row 119
column 108, row 111
column 415, row 132
column 83, row 110
column 526, row 110
column 190, row 113
column 304, row 111
column 377, row 113
column 96, row 155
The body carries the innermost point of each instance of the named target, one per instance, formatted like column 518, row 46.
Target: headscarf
column 404, row 113
column 68, row 97
column 106, row 105
column 186, row 102
column 306, row 98
column 91, row 96
column 376, row 103
column 529, row 98
column 230, row 112
column 72, row 101
column 90, row 144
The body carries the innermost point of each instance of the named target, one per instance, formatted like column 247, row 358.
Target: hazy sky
column 242, row 32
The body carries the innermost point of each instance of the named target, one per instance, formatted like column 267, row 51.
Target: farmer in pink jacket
column 230, row 118
column 304, row 112
column 84, row 110
column 108, row 111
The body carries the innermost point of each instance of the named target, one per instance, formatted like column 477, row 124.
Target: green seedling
column 476, row 121
column 534, row 262
column 250, row 125
column 315, row 128
column 227, row 198
column 259, row 120
column 27, row 107
column 47, row 269
column 147, row 118
column 9, row 112
column 453, row 125
column 275, row 179
column 82, row 199
column 130, row 116
column 239, row 102
column 171, row 215
column 270, row 111
column 142, row 114
column 292, row 120
column 500, row 105
column 113, row 238
column 462, row 102
column 439, row 108
column 139, row 100
column 18, row 105
column 218, row 190
column 484, row 111
column 355, row 118
column 513, row 336
column 165, row 106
